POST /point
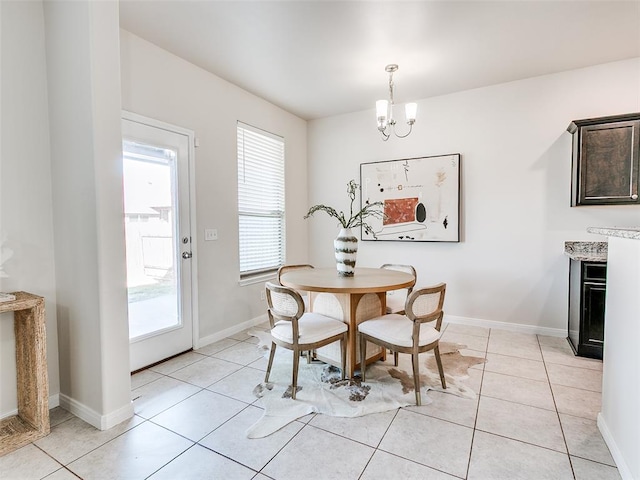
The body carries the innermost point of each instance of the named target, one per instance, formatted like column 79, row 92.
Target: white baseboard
column 101, row 422
column 514, row 327
column 216, row 337
column 623, row 469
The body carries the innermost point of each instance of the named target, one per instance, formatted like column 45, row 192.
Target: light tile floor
column 534, row 418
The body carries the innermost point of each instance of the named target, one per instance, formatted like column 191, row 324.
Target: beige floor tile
column 27, row 463
column 239, row 384
column 58, row 415
column 471, row 342
column 587, row 470
column 584, row 439
column 368, row 429
column 260, row 364
column 562, row 354
column 231, row 440
column 199, row 462
column 62, row 474
column 217, row 346
column 305, row 456
column 242, row 353
column 521, row 422
column 577, row 402
column 498, row 458
column 197, row 416
column 135, row 454
column 517, row 367
column 449, row 407
column 157, row 396
column 74, row 438
column 467, row 329
column 575, row 377
column 144, row 377
column 508, row 336
column 244, row 335
column 519, row 390
column 386, row 466
column 505, row 345
column 206, row 372
column 177, row 363
column 430, row 441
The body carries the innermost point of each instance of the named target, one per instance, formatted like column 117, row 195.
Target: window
column 260, row 200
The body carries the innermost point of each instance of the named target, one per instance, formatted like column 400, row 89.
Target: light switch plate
column 210, row 234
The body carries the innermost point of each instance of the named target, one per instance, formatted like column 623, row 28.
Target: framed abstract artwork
column 420, row 197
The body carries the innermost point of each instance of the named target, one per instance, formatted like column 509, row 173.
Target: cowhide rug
column 320, row 389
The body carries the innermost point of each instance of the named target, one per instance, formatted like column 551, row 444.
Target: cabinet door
column 592, row 329
column 608, row 163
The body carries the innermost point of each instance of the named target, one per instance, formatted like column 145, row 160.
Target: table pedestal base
column 351, row 308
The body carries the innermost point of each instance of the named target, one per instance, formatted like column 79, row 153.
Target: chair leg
column 416, row 376
column 271, row 355
column 395, row 359
column 343, row 349
column 436, row 352
column 363, row 355
column 309, row 357
column 294, row 383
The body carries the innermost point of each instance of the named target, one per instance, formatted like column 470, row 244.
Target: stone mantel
column 623, row 232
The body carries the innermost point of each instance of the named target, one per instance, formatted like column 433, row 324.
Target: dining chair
column 305, row 295
column 412, row 333
column 397, row 298
column 300, row 331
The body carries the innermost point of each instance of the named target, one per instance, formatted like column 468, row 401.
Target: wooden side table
column 32, row 420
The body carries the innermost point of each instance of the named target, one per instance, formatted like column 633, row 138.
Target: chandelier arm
column 406, row 135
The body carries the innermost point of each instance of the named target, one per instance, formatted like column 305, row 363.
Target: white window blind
column 260, row 200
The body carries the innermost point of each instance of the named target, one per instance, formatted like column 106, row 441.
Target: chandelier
column 384, row 111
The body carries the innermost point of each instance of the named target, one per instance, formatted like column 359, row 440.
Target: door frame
column 190, row 134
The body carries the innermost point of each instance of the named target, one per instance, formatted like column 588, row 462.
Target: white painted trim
column 514, row 327
column 101, row 422
column 623, row 469
column 216, row 337
column 190, row 134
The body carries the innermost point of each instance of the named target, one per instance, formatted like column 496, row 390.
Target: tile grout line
column 475, row 421
column 553, row 397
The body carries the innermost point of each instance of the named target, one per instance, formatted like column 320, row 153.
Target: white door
column 156, row 164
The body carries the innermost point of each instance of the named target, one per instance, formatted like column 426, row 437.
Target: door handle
column 187, row 255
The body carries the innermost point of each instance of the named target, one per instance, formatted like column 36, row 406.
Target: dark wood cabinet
column 606, row 158
column 587, row 293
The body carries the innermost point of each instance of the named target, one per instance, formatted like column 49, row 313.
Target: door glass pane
column 151, row 241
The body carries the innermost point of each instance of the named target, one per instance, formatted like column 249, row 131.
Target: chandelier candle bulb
column 411, row 109
column 381, row 112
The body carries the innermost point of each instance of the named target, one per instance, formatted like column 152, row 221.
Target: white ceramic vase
column 346, row 248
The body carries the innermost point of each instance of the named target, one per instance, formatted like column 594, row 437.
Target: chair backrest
column 284, row 304
column 425, row 304
column 286, row 268
column 403, row 268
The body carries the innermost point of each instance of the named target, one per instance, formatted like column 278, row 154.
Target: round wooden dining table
column 350, row 299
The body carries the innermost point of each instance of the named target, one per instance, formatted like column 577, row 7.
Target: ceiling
column 323, row 58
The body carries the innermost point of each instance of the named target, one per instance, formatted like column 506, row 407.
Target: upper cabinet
column 605, row 161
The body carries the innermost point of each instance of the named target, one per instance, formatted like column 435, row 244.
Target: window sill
column 265, row 277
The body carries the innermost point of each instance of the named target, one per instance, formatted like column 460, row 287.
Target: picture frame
column 420, row 198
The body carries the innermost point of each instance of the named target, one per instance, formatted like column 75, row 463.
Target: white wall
column 162, row 86
column 619, row 420
column 82, row 41
column 25, row 184
column 515, row 194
